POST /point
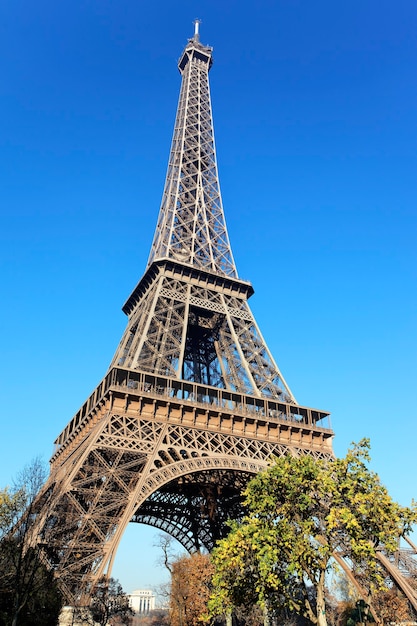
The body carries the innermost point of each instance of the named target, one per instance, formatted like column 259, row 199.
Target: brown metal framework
column 193, row 403
column 162, row 451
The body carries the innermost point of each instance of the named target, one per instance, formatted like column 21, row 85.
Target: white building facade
column 142, row 601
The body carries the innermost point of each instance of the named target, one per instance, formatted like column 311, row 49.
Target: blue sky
column 315, row 109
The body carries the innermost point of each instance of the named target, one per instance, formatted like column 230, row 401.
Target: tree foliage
column 302, row 511
column 110, row 604
column 28, row 592
column 36, row 600
column 392, row 606
column 12, row 504
column 190, row 589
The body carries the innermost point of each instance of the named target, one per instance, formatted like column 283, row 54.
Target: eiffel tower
column 193, row 403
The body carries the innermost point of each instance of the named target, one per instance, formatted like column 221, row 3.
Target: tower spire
column 191, row 226
column 197, row 23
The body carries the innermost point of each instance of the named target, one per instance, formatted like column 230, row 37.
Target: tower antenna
column 196, row 23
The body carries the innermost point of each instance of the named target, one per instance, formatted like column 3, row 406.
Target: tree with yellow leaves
column 300, row 512
column 190, row 589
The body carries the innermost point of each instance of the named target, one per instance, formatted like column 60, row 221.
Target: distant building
column 142, row 601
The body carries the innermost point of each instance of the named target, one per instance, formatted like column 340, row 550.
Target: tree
column 341, row 597
column 40, row 600
column 27, row 589
column 300, row 512
column 167, row 545
column 12, row 504
column 393, row 606
column 190, row 589
column 110, row 604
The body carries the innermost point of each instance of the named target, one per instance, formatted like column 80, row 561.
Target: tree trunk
column 17, row 609
column 267, row 617
column 321, row 605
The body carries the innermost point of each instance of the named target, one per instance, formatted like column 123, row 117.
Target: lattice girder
column 191, row 226
column 162, row 447
column 151, row 442
column 211, row 497
column 178, row 299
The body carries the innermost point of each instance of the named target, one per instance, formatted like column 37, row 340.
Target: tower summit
column 191, row 226
column 193, row 403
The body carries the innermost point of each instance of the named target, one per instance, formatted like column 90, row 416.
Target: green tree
column 110, row 604
column 12, row 503
column 300, row 512
column 39, row 598
column 28, row 592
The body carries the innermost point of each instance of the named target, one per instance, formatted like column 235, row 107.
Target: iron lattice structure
column 193, row 403
column 188, row 316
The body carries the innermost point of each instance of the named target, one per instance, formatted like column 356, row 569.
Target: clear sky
column 315, row 109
